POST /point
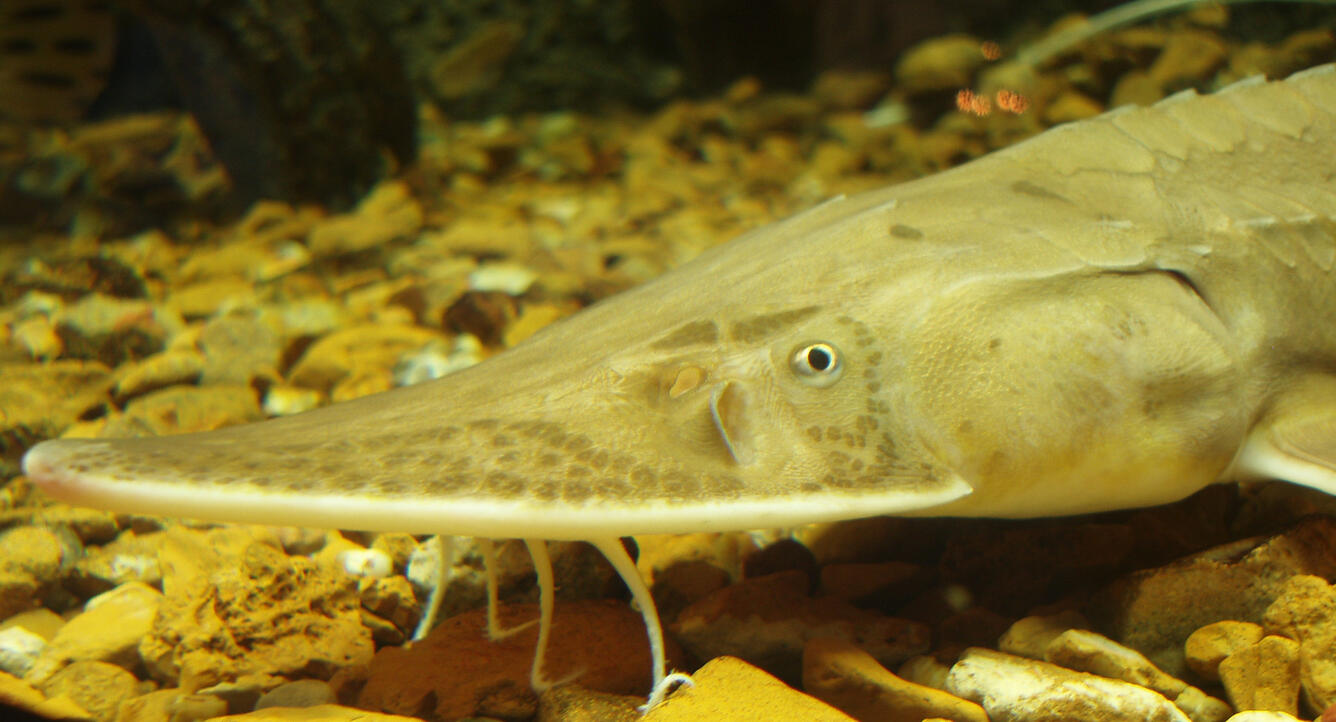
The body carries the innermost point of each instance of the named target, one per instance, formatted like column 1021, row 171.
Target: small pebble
column 302, row 693
column 1207, row 647
column 19, row 649
column 371, row 563
column 506, row 278
column 284, row 400
column 1263, row 676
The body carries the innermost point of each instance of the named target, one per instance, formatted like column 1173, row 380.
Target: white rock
column 424, row 565
column 1260, row 716
column 370, row 563
column 1017, row 689
column 19, row 648
column 504, row 277
column 289, row 400
column 1087, row 651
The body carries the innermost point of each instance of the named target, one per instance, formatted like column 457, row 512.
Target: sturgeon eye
column 817, row 364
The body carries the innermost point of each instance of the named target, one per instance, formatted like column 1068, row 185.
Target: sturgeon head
column 733, row 392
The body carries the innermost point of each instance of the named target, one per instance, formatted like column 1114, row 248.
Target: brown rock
column 841, row 674
column 728, row 689
column 1305, row 611
column 392, row 599
column 875, row 580
column 97, row 687
column 1263, row 676
column 1154, row 611
column 1207, row 647
column 768, row 620
column 458, row 672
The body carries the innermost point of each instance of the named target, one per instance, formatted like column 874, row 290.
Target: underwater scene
column 668, row 360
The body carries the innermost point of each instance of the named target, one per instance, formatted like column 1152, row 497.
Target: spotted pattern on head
column 506, row 460
column 908, row 233
column 1027, row 188
column 863, row 455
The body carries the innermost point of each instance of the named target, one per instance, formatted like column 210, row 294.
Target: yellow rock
column 16, row 693
column 109, row 630
column 1207, row 647
column 319, row 713
column 1263, row 676
column 840, row 673
column 531, row 319
column 334, row 357
column 728, row 689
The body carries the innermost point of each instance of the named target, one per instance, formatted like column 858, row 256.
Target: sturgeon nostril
column 688, row 379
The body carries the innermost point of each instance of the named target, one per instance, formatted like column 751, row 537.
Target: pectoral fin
column 1296, row 440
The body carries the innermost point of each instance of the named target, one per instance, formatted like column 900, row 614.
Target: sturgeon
column 1114, row 313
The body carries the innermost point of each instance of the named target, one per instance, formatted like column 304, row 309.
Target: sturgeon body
column 1114, row 313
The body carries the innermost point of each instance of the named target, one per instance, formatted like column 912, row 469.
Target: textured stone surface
column 1086, row 651
column 98, row 687
column 730, row 690
column 1017, row 689
column 1207, row 647
column 1156, row 610
column 30, row 561
column 1305, row 611
column 1263, row 676
column 22, row 696
column 237, row 608
column 573, row 703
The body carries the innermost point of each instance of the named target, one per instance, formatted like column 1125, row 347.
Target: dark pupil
column 818, row 359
